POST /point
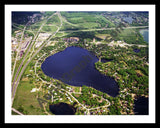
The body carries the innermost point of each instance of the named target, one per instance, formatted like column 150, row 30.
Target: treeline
column 83, row 35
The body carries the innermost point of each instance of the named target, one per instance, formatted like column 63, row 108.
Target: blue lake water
column 76, row 66
column 141, row 106
column 62, row 109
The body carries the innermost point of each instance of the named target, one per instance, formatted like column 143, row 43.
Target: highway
column 18, row 51
column 100, row 29
column 15, row 83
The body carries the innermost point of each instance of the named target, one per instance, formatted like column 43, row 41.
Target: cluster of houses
column 125, row 18
column 94, row 112
column 34, row 18
column 68, row 98
column 24, row 45
column 71, row 39
column 55, row 96
column 118, row 43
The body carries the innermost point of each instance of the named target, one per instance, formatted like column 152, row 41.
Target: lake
column 62, row 109
column 141, row 106
column 76, row 66
column 145, row 34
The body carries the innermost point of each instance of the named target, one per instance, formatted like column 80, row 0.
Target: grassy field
column 53, row 20
column 131, row 36
column 87, row 20
column 49, row 29
column 25, row 101
column 102, row 36
column 89, row 25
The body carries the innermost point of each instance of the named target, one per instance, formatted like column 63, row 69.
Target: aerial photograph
column 79, row 63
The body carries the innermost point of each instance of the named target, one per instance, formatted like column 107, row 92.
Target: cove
column 76, row 66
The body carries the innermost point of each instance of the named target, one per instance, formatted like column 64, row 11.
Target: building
column 71, row 39
column 43, row 36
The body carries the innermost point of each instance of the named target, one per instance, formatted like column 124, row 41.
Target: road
column 25, row 65
column 84, row 107
column 18, row 50
column 27, row 50
column 13, row 109
column 99, row 29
